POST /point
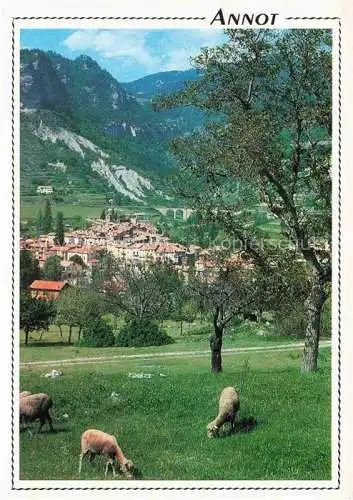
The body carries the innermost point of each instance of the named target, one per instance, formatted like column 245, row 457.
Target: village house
column 37, row 246
column 86, row 253
column 44, row 189
column 171, row 252
column 47, row 290
column 74, row 238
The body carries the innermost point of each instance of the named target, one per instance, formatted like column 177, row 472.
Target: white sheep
column 228, row 407
column 96, row 442
column 23, row 394
column 36, row 406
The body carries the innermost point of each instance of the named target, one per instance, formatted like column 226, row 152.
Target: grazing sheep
column 228, row 407
column 97, row 442
column 23, row 394
column 36, row 406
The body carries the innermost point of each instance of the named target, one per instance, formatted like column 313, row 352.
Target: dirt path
column 177, row 354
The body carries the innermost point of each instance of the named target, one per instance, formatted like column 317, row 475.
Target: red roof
column 55, row 286
column 82, row 250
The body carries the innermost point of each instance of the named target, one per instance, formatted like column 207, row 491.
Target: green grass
column 83, row 205
column 52, row 346
column 161, row 424
column 30, row 210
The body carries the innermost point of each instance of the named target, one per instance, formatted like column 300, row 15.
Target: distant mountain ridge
column 159, row 83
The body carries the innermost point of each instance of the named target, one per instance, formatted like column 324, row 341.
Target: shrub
column 97, row 333
column 146, row 333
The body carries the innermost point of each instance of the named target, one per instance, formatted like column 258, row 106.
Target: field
column 84, row 207
column 160, row 422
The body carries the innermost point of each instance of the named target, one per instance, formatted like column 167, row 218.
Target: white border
column 186, row 11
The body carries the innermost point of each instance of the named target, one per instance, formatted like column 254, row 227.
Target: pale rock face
column 115, row 100
column 132, row 179
column 26, row 82
column 73, row 141
column 125, row 181
column 28, row 110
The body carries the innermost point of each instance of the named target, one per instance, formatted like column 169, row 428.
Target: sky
column 126, row 54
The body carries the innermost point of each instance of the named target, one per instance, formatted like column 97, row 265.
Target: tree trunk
column 79, row 332
column 181, row 327
column 315, row 302
column 70, row 333
column 26, row 337
column 216, row 349
column 61, row 332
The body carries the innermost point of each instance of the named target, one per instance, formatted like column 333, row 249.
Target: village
column 134, row 242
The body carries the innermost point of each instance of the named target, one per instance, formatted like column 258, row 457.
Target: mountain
column 181, row 120
column 166, row 82
column 81, row 129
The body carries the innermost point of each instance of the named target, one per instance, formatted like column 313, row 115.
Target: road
column 176, row 354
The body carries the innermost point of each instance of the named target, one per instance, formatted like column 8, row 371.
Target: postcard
column 176, row 250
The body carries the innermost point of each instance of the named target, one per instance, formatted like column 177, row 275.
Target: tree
column 271, row 92
column 228, row 293
column 39, row 221
column 29, row 269
column 103, row 214
column 52, row 268
column 47, row 223
column 189, row 311
column 35, row 314
column 59, row 228
column 114, row 215
column 78, row 307
column 77, row 259
column 146, row 293
column 185, row 306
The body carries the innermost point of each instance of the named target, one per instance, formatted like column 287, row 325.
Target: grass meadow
column 160, row 422
column 45, row 346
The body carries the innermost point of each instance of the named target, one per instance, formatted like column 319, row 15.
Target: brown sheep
column 228, row 407
column 34, row 407
column 96, row 442
column 23, row 394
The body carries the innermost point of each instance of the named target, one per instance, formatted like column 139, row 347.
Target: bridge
column 176, row 213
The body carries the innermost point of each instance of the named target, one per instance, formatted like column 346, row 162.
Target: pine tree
column 39, row 221
column 59, row 229
column 47, row 219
